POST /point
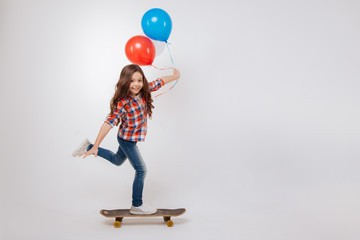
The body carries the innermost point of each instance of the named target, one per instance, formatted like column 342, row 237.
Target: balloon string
column 167, row 45
column 168, row 89
column 161, row 68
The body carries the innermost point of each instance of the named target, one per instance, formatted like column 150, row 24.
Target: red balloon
column 140, row 50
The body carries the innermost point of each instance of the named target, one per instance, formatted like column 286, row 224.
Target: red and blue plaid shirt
column 133, row 115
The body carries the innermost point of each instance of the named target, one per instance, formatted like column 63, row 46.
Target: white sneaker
column 143, row 210
column 82, row 148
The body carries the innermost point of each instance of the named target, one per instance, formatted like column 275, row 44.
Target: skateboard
column 119, row 214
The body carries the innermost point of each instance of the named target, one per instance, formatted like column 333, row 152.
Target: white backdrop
column 258, row 140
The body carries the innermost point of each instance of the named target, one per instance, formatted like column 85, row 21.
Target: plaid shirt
column 133, row 116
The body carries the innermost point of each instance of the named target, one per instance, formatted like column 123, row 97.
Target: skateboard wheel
column 117, row 224
column 169, row 223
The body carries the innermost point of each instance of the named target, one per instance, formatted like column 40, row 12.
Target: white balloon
column 159, row 47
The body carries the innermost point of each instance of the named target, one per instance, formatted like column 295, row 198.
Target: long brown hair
column 122, row 89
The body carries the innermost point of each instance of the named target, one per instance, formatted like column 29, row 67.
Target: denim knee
column 141, row 172
column 117, row 163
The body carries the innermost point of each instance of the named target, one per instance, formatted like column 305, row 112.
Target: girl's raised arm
column 171, row 78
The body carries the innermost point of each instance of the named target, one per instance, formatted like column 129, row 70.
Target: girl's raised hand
column 176, row 73
column 93, row 151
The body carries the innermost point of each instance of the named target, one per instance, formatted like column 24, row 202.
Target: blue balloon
column 156, row 24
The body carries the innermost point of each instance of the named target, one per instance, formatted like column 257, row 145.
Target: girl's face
column 136, row 83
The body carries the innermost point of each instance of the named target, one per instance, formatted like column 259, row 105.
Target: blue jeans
column 128, row 150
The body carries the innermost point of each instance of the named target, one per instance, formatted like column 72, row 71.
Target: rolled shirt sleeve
column 156, row 85
column 113, row 119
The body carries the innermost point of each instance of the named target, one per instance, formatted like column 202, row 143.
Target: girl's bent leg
column 116, row 159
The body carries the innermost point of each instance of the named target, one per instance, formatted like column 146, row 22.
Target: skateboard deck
column 119, row 214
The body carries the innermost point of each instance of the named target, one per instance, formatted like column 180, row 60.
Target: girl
column 130, row 107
